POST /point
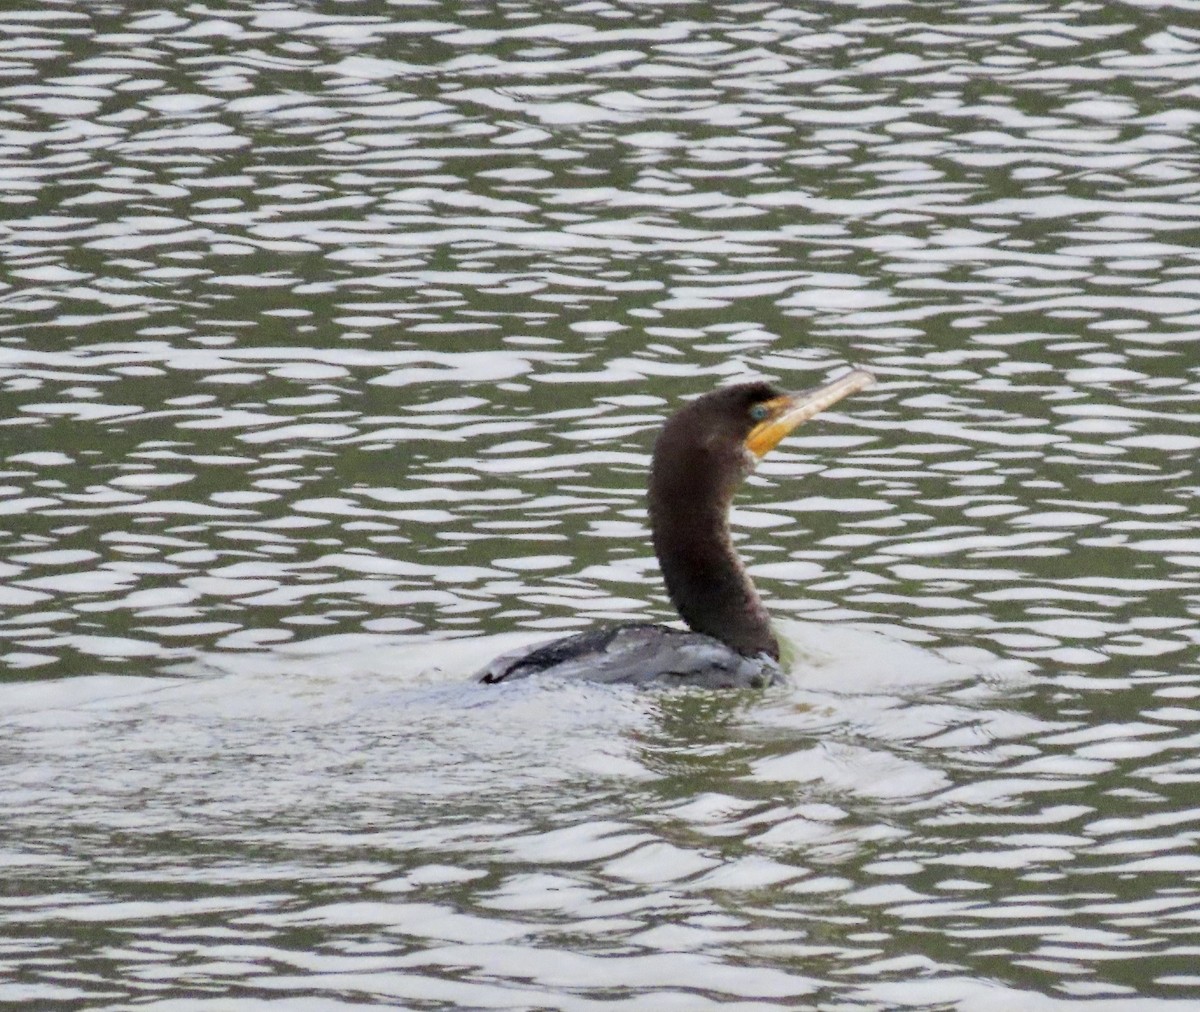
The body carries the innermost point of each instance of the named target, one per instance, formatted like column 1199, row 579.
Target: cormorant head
column 702, row 454
column 728, row 431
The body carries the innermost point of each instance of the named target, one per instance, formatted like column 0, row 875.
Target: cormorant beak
column 787, row 412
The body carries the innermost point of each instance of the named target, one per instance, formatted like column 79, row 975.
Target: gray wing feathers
column 638, row 655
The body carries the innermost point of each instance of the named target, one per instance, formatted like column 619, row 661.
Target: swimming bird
column 701, row 456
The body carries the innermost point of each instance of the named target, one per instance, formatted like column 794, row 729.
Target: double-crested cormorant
column 700, row 458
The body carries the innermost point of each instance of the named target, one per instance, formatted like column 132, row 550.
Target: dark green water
column 333, row 339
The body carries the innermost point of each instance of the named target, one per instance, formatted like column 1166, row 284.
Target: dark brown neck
column 689, row 518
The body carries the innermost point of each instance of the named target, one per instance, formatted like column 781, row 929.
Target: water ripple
column 332, row 341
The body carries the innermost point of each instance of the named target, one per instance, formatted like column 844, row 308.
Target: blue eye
column 759, row 412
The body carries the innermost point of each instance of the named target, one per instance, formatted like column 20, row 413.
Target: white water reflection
column 328, row 793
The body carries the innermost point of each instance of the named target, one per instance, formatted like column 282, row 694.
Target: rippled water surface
column 333, row 338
